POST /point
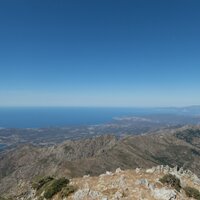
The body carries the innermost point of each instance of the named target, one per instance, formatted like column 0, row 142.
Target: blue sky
column 99, row 53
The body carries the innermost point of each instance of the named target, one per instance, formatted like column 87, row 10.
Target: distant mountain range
column 188, row 110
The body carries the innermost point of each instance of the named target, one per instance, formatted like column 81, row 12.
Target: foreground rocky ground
column 138, row 184
column 134, row 184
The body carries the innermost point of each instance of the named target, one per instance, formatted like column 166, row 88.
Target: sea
column 40, row 117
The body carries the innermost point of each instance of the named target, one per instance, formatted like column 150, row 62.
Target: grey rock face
column 142, row 182
column 164, row 194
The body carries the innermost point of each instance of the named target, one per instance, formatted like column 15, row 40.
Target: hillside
column 96, row 155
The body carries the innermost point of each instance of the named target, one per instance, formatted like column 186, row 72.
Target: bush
column 192, row 192
column 55, row 187
column 2, row 198
column 171, row 180
column 66, row 191
column 41, row 182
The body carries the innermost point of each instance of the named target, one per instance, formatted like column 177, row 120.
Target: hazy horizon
column 108, row 106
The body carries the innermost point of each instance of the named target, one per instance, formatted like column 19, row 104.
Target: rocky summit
column 135, row 184
column 156, row 183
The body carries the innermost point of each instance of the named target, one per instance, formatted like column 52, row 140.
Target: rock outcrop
column 142, row 184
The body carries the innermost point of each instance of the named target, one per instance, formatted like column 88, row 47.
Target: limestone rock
column 152, row 170
column 118, row 170
column 164, row 194
column 137, row 170
column 81, row 194
column 142, row 182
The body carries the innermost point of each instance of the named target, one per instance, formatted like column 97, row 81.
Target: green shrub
column 192, row 192
column 55, row 187
column 66, row 191
column 41, row 182
column 171, row 180
column 2, row 198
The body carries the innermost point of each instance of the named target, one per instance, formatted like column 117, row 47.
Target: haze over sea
column 37, row 117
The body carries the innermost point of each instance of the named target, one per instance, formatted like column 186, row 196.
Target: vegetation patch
column 68, row 148
column 188, row 135
column 47, row 187
column 2, row 198
column 67, row 190
column 192, row 192
column 171, row 180
column 41, row 182
column 55, row 187
column 164, row 160
column 195, row 152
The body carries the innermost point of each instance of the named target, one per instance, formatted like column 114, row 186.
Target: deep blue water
column 53, row 117
column 36, row 117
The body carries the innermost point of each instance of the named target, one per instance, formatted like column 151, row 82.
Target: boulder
column 164, row 194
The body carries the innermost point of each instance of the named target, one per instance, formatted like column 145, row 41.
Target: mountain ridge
column 99, row 154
